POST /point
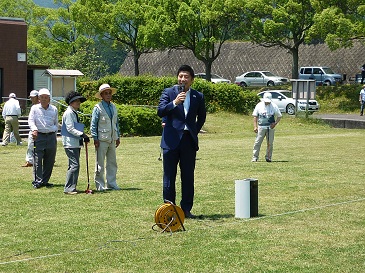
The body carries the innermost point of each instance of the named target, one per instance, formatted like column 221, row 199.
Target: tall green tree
column 60, row 41
column 18, row 9
column 201, row 26
column 117, row 20
column 339, row 22
column 283, row 23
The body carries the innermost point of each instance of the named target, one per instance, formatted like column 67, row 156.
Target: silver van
column 322, row 74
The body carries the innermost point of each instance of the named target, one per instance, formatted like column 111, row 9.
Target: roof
column 62, row 73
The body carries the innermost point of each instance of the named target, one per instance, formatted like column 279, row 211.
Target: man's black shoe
column 189, row 215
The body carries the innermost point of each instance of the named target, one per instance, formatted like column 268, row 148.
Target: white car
column 214, row 78
column 260, row 78
column 283, row 99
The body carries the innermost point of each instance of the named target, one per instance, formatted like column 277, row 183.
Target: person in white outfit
column 104, row 130
column 264, row 125
column 11, row 113
column 29, row 154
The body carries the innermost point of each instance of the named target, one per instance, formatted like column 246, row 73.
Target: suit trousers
column 262, row 132
column 106, row 151
column 11, row 125
column 73, row 170
column 45, row 155
column 184, row 155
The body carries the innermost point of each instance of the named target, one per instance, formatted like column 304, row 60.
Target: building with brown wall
column 13, row 58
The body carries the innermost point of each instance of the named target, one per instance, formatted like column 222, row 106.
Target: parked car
column 214, row 78
column 323, row 75
column 284, row 100
column 259, row 78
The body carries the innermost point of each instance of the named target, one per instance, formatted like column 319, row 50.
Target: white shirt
column 362, row 94
column 11, row 108
column 264, row 112
column 43, row 120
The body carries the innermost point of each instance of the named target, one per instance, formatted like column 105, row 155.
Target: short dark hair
column 186, row 68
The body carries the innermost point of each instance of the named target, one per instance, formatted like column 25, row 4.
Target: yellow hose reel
column 169, row 217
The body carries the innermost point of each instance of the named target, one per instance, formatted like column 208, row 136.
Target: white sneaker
column 254, row 160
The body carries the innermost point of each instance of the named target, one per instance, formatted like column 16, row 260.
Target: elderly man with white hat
column 43, row 122
column 264, row 125
column 11, row 113
column 104, row 129
column 33, row 96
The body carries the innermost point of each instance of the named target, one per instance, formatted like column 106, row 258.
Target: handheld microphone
column 181, row 88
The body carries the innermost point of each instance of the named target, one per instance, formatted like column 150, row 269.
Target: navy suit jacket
column 175, row 120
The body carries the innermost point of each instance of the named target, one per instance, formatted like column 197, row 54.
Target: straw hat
column 103, row 88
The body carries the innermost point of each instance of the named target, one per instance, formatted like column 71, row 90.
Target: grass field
column 311, row 207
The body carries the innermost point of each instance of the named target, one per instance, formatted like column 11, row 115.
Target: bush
column 339, row 98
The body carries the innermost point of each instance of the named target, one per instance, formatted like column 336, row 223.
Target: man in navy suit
column 183, row 111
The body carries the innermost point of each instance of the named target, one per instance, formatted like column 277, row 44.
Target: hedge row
column 138, row 97
column 146, row 90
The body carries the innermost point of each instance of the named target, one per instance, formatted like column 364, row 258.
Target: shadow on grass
column 131, row 189
column 215, row 217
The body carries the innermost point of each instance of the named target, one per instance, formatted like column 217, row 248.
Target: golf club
column 88, row 190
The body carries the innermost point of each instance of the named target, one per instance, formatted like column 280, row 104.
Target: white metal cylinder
column 242, row 199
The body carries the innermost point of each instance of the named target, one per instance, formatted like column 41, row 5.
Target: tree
column 19, row 9
column 118, row 21
column 60, row 41
column 283, row 23
column 339, row 22
column 201, row 26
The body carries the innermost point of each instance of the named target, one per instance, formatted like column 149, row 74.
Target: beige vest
column 107, row 128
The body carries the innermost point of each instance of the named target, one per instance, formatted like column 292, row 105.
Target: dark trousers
column 45, row 155
column 362, row 76
column 184, row 155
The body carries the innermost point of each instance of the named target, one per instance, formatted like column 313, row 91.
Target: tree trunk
column 295, row 68
column 208, row 70
column 136, row 56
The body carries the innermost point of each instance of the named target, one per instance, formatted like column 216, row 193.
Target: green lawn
column 311, row 207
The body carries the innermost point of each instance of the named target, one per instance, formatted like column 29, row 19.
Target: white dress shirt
column 11, row 108
column 43, row 120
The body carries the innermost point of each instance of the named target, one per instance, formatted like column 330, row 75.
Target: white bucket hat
column 103, row 88
column 267, row 97
column 12, row 95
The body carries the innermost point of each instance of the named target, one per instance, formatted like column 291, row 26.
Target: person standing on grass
column 29, row 154
column 72, row 137
column 362, row 100
column 11, row 113
column 183, row 112
column 43, row 122
column 104, row 129
column 264, row 125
